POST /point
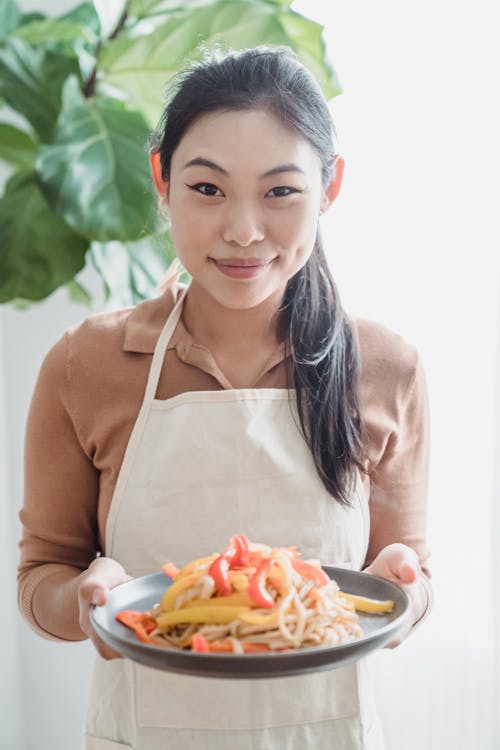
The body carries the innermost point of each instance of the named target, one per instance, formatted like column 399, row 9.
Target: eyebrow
column 199, row 161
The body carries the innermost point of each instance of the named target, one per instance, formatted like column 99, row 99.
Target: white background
column 414, row 243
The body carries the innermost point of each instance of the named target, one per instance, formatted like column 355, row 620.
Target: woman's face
column 244, row 198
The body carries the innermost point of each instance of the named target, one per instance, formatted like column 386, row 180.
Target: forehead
column 255, row 139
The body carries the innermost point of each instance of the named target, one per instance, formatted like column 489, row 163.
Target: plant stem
column 89, row 86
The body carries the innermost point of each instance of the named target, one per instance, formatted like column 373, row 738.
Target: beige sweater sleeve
column 61, row 487
column 396, row 415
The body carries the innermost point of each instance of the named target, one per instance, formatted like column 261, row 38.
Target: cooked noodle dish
column 251, row 598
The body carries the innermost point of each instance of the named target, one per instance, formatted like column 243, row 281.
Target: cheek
column 189, row 236
column 297, row 230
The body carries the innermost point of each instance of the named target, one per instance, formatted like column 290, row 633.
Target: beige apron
column 199, row 468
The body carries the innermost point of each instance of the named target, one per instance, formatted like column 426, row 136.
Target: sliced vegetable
column 140, row 622
column 219, row 572
column 239, row 580
column 171, row 594
column 201, row 564
column 238, row 553
column 258, row 618
column 254, row 648
column 200, row 644
column 254, row 618
column 308, row 570
column 170, row 570
column 226, row 647
column 363, row 604
column 238, row 599
column 208, row 615
column 257, row 586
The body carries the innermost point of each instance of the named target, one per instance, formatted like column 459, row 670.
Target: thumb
column 404, row 564
column 102, row 575
column 99, row 596
column 407, row 572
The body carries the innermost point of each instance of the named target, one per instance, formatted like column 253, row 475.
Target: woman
column 248, row 402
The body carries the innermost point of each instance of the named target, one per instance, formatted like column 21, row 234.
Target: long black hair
column 324, row 357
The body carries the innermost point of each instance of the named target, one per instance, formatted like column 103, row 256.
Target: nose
column 242, row 225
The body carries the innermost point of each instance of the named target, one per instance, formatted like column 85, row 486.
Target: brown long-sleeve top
column 88, row 396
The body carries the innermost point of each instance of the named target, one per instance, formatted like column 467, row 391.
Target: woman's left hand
column 399, row 564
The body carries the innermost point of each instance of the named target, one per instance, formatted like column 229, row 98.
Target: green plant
column 79, row 95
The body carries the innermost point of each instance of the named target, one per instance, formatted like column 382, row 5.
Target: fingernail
column 96, row 597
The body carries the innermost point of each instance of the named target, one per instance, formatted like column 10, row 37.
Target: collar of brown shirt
column 144, row 325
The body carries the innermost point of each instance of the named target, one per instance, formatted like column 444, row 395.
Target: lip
column 241, row 268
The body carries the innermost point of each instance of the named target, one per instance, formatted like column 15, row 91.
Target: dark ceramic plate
column 142, row 593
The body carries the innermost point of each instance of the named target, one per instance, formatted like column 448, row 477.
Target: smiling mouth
column 241, row 268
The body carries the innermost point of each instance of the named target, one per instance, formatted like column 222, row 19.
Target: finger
column 408, row 572
column 103, row 575
column 403, row 563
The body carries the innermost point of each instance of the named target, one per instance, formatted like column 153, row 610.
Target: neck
column 221, row 328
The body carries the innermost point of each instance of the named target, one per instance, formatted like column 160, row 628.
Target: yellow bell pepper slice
column 171, row 594
column 363, row 604
column 232, row 600
column 205, row 615
column 254, row 618
column 202, row 563
column 239, row 581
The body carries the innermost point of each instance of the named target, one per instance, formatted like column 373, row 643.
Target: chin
column 245, row 300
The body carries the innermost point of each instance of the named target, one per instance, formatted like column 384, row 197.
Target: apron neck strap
column 161, row 347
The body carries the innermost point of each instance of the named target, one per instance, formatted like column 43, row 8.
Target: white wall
column 414, row 244
column 44, row 709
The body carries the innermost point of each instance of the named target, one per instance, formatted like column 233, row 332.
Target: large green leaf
column 31, row 82
column 84, row 14
column 141, row 66
column 27, row 18
column 38, row 250
column 96, row 170
column 64, row 36
column 10, row 17
column 150, row 8
column 16, row 146
column 306, row 37
column 55, row 31
column 132, row 271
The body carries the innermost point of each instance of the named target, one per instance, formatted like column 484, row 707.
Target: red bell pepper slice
column 200, row 644
column 226, row 647
column 237, row 555
column 170, row 569
column 241, row 543
column 310, row 571
column 140, row 622
column 219, row 572
column 257, row 586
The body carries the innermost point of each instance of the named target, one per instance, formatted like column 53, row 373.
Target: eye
column 282, row 191
column 206, row 188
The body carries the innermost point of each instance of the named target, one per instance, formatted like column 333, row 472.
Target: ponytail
column 325, row 373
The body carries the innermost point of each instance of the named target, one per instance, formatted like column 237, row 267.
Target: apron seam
column 230, row 395
column 259, row 729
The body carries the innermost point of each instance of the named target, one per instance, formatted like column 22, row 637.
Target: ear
column 161, row 185
column 331, row 191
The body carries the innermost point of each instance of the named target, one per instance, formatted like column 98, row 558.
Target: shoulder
column 387, row 359
column 130, row 329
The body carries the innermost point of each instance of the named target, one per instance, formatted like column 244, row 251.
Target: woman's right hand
column 95, row 583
